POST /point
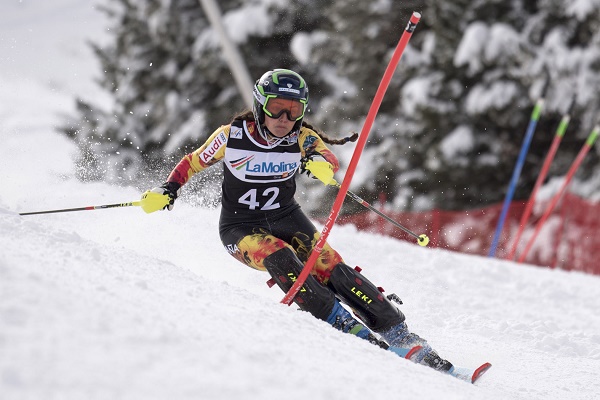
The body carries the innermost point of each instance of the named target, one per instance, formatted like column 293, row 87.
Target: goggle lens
column 275, row 106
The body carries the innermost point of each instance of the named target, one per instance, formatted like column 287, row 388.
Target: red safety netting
column 570, row 238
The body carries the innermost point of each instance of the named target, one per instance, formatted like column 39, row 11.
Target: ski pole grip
column 322, row 170
column 152, row 201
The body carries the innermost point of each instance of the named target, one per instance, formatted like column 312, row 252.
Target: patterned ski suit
column 259, row 214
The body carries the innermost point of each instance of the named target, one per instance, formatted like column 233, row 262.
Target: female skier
column 262, row 225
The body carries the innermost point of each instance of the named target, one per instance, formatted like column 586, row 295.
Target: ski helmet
column 279, row 83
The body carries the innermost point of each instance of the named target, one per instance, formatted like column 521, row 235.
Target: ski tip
column 480, row 371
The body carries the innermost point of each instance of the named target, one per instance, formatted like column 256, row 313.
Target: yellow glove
column 322, row 170
column 160, row 198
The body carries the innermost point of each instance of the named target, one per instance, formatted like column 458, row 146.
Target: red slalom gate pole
column 574, row 167
column 560, row 133
column 362, row 140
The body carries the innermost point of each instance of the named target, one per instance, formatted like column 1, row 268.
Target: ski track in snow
column 117, row 304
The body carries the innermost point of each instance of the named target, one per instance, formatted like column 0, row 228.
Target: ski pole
column 422, row 239
column 582, row 153
column 560, row 133
column 535, row 116
column 133, row 203
column 362, row 140
column 150, row 202
column 323, row 172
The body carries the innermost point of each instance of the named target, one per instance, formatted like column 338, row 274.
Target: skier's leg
column 364, row 298
column 260, row 250
column 284, row 266
column 354, row 289
column 298, row 230
column 380, row 314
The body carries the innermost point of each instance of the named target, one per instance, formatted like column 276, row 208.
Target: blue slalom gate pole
column 535, row 116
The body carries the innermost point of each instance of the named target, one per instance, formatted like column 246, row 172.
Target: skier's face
column 279, row 127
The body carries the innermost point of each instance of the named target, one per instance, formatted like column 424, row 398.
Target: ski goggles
column 274, row 107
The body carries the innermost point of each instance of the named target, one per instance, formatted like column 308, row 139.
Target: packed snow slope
column 112, row 304
column 118, row 304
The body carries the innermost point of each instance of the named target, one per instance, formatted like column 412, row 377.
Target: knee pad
column 373, row 308
column 284, row 267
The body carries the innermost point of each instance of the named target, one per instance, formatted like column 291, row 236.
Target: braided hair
column 249, row 116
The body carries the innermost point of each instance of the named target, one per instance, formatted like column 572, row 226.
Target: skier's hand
column 303, row 169
column 321, row 170
column 304, row 160
column 171, row 189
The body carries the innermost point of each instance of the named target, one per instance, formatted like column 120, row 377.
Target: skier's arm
column 209, row 153
column 312, row 145
column 212, row 151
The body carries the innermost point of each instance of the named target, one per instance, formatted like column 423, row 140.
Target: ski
column 468, row 374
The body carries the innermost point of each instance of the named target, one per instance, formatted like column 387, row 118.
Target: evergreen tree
column 170, row 82
column 451, row 124
column 453, row 120
column 147, row 69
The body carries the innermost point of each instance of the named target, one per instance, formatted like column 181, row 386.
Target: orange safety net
column 569, row 240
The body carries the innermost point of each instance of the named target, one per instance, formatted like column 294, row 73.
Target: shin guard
column 284, row 266
column 364, row 298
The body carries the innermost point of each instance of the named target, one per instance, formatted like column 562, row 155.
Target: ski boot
column 343, row 321
column 399, row 336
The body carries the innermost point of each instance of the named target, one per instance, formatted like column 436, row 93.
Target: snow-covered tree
column 170, row 83
column 451, row 124
column 450, row 129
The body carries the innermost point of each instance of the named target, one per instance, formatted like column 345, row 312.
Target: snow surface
column 117, row 304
